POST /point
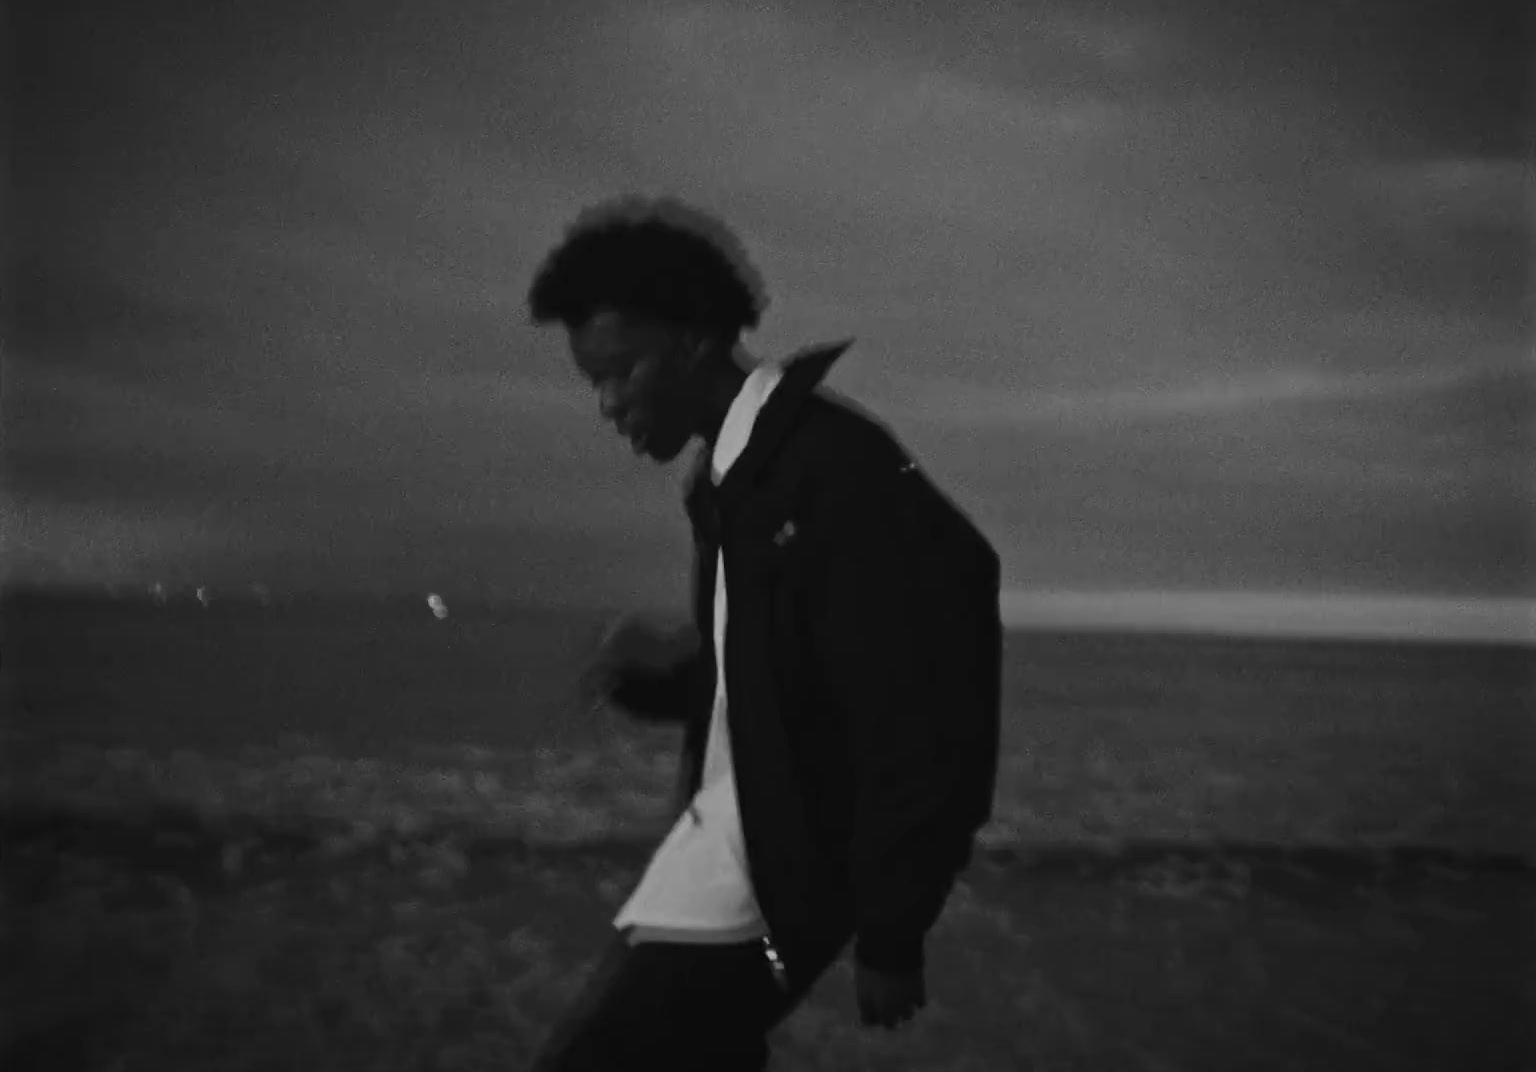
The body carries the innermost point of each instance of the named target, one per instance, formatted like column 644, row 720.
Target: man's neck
column 723, row 383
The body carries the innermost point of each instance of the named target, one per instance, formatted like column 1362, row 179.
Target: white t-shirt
column 697, row 887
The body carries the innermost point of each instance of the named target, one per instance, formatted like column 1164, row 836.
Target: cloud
column 1169, row 303
column 1409, row 483
column 874, row 134
column 963, row 403
column 1453, row 232
column 1481, row 192
column 1121, row 44
column 74, row 542
column 508, row 395
column 488, row 445
column 81, row 314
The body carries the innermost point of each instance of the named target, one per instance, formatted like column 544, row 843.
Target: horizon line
column 1324, row 615
column 1236, row 612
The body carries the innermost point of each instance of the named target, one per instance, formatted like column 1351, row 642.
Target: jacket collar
column 803, row 372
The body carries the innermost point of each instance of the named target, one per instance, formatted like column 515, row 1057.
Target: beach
column 352, row 834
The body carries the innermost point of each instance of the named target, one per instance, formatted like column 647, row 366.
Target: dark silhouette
column 831, row 789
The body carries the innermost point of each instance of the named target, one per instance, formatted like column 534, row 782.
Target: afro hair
column 651, row 257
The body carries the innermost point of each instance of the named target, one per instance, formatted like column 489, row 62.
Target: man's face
column 643, row 373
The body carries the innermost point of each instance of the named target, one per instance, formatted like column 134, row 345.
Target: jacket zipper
column 770, row 951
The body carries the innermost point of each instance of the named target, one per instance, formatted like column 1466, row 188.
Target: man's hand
column 888, row 999
column 631, row 642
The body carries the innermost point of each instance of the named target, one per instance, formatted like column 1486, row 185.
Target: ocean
column 1249, row 737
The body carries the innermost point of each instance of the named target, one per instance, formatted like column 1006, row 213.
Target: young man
column 841, row 702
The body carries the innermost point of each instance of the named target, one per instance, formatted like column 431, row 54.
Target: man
column 840, row 701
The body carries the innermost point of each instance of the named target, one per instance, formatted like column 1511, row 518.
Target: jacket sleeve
column 908, row 641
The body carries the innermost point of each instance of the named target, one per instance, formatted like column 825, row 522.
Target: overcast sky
column 1168, row 295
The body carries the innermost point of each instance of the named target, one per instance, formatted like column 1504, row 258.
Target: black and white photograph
column 784, row 536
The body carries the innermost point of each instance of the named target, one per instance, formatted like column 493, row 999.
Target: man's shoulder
column 851, row 458
column 840, row 436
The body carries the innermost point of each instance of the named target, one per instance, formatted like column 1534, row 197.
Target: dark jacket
column 863, row 675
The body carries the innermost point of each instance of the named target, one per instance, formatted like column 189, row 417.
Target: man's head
column 654, row 296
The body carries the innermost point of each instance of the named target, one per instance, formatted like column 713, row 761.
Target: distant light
column 439, row 608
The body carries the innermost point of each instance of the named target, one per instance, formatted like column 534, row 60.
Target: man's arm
column 910, row 646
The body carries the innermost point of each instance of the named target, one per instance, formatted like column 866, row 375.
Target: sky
column 1170, row 297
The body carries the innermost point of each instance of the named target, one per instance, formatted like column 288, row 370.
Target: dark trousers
column 672, row 1006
